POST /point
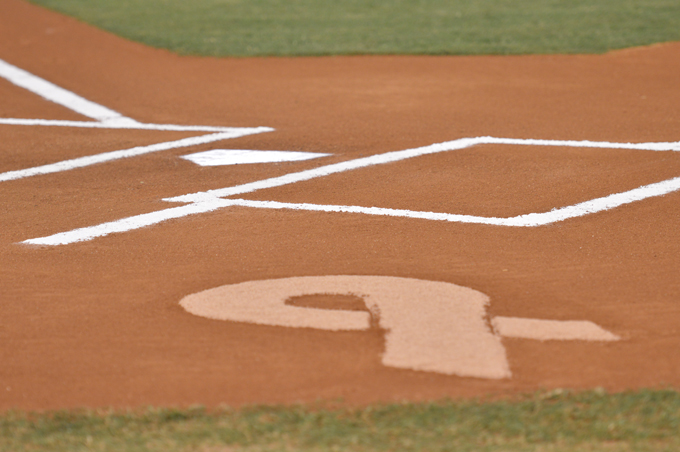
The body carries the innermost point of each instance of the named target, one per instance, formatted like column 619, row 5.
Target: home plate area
column 430, row 326
column 237, row 264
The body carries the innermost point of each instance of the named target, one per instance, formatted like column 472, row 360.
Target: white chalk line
column 58, row 95
column 323, row 171
column 105, row 118
column 136, row 126
column 66, row 165
column 396, row 156
column 128, row 224
column 651, row 146
column 527, row 220
column 211, row 200
column 108, row 118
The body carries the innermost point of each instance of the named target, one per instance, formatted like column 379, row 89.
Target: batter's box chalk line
column 101, row 118
column 211, row 200
column 216, row 199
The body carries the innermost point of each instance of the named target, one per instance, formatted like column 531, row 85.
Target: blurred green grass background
column 553, row 421
column 329, row 27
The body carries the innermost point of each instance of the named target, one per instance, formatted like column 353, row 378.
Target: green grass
column 323, row 27
column 550, row 421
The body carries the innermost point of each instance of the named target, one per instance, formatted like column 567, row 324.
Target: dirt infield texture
column 98, row 323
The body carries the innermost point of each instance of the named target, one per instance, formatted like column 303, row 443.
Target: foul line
column 212, row 200
column 122, row 125
column 60, row 96
column 105, row 119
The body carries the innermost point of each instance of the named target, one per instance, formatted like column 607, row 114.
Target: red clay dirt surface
column 98, row 323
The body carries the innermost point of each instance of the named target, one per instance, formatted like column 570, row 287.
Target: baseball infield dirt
column 99, row 322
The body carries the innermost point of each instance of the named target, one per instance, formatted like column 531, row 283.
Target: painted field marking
column 128, row 224
column 104, row 118
column 81, row 162
column 141, row 126
column 214, row 199
column 60, row 96
column 429, row 326
column 557, row 330
column 395, row 156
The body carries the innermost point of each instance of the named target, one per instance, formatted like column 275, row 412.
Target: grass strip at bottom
column 554, row 421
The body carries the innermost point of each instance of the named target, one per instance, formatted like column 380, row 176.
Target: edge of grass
column 379, row 27
column 558, row 420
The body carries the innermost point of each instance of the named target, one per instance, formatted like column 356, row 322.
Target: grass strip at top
column 546, row 421
column 328, row 27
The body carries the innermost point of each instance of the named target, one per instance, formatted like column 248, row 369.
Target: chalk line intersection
column 216, row 199
column 104, row 117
